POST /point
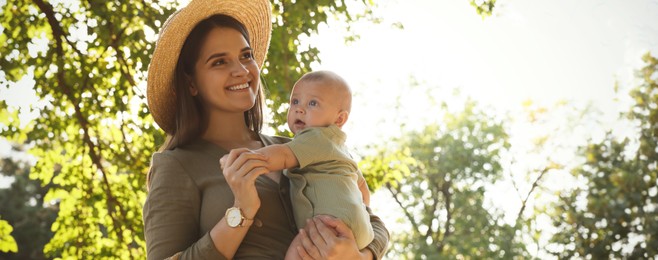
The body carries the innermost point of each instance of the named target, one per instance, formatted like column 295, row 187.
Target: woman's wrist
column 248, row 212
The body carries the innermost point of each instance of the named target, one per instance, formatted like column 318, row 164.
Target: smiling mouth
column 239, row 87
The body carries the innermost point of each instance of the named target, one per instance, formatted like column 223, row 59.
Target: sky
column 545, row 51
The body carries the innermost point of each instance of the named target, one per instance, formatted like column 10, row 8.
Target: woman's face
column 226, row 75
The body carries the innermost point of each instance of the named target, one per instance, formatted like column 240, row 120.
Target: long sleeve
column 379, row 244
column 171, row 214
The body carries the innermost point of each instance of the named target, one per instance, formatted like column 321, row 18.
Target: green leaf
column 7, row 242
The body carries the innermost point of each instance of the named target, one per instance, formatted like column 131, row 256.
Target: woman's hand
column 326, row 237
column 241, row 167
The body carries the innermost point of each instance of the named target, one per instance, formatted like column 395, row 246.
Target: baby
column 323, row 177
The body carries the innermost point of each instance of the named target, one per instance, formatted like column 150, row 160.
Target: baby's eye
column 294, row 102
column 313, row 103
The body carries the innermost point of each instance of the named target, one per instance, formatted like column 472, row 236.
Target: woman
column 204, row 92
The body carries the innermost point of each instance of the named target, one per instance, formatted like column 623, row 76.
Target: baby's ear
column 342, row 118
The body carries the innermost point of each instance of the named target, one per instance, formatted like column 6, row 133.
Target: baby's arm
column 363, row 187
column 279, row 157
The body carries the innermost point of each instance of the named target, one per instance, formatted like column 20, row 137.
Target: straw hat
column 255, row 15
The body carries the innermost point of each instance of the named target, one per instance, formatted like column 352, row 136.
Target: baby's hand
column 222, row 161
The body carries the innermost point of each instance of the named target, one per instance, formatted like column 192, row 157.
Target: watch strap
column 245, row 222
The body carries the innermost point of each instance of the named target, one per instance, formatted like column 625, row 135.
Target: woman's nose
column 239, row 70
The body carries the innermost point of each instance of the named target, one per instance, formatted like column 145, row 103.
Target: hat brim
column 255, row 15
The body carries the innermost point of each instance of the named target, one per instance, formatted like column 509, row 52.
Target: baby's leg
column 292, row 253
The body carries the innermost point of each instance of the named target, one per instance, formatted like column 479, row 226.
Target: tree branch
column 125, row 72
column 534, row 185
column 395, row 193
column 511, row 177
column 433, row 208
column 58, row 35
column 445, row 190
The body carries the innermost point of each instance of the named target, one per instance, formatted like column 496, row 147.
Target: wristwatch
column 235, row 218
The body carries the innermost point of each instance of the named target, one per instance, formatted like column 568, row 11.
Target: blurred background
column 485, row 129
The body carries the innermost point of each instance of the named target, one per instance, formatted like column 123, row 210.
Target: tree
column 94, row 136
column 442, row 192
column 615, row 213
column 7, row 242
column 484, row 8
column 22, row 205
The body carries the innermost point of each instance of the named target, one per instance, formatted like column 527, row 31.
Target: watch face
column 233, row 217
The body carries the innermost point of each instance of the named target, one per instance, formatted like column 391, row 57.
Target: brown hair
column 189, row 111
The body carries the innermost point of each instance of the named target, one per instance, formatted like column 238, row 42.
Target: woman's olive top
column 188, row 195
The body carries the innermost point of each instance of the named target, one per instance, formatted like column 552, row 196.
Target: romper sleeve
column 171, row 214
column 310, row 146
column 379, row 244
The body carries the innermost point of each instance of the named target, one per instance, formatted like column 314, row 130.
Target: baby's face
column 313, row 104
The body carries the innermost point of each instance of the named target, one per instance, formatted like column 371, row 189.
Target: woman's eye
column 313, row 103
column 247, row 55
column 219, row 62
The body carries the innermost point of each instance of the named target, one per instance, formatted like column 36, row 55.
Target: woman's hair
column 189, row 112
